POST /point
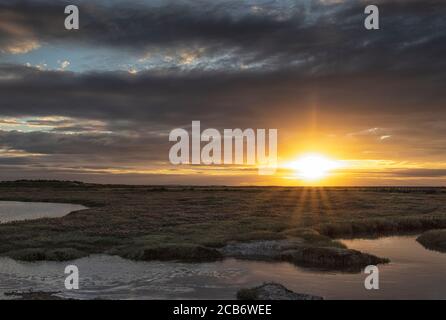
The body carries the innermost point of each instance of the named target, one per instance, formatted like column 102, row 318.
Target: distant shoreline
column 73, row 183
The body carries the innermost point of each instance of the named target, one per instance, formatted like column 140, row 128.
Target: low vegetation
column 195, row 223
column 42, row 254
column 434, row 240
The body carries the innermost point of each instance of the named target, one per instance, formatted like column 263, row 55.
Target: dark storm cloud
column 314, row 35
column 218, row 98
column 9, row 161
column 113, row 145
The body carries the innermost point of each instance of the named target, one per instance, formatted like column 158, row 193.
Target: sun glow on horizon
column 313, row 167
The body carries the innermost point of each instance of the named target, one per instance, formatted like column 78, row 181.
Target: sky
column 97, row 104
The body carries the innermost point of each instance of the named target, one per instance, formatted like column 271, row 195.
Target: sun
column 313, row 166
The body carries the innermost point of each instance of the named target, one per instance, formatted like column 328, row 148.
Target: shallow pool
column 16, row 211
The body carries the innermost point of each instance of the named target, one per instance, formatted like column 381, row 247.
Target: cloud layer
column 109, row 93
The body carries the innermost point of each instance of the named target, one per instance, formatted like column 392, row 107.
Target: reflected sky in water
column 16, row 211
column 415, row 273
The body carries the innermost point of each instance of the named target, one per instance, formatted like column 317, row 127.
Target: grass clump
column 312, row 237
column 434, row 240
column 183, row 252
column 381, row 226
column 42, row 254
column 273, row 291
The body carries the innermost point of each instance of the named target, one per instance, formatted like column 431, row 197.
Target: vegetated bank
column 201, row 223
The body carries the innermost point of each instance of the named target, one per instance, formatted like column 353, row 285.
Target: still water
column 16, row 211
column 414, row 273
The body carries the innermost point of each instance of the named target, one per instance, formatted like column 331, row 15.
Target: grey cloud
column 317, row 37
column 218, row 98
column 309, row 57
column 119, row 147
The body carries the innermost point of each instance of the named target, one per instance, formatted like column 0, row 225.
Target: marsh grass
column 434, row 240
column 157, row 222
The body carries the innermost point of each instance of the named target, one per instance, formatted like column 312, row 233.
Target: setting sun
column 312, row 167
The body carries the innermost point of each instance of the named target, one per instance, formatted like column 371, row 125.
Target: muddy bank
column 42, row 254
column 434, row 240
column 273, row 291
column 304, row 255
column 185, row 253
column 34, row 295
